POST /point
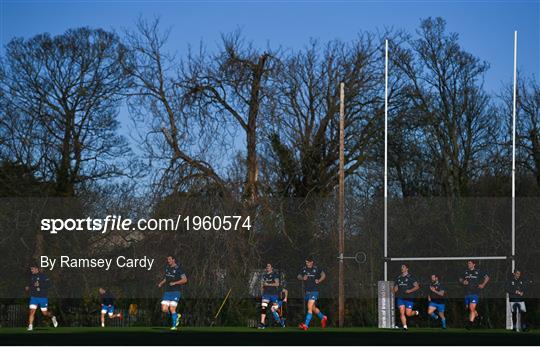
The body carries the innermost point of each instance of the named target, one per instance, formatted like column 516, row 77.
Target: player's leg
column 523, row 314
column 441, row 308
column 402, row 316
column 102, row 315
column 409, row 309
column 309, row 314
column 175, row 316
column 112, row 315
column 320, row 315
column 472, row 312
column 165, row 307
column 409, row 312
column 115, row 315
column 31, row 316
column 310, row 299
column 274, row 309
column 431, row 311
column 443, row 320
column 282, row 311
column 518, row 308
column 264, row 307
column 515, row 309
column 44, row 307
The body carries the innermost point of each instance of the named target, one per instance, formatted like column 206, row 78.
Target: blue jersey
column 436, row 298
column 173, row 274
column 39, row 285
column 268, row 281
column 474, row 277
column 107, row 299
column 405, row 283
column 313, row 273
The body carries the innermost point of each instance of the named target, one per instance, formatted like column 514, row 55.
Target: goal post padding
column 385, row 295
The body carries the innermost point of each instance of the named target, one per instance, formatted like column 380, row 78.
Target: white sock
column 405, row 327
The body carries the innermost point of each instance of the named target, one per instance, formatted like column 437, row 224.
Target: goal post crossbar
column 447, row 258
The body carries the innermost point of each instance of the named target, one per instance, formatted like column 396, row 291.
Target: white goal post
column 386, row 312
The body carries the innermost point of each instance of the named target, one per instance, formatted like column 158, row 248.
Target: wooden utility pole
column 341, row 213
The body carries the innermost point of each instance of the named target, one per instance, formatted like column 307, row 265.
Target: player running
column 405, row 287
column 282, row 305
column 38, row 287
column 516, row 289
column 106, row 300
column 312, row 276
column 174, row 279
column 474, row 281
column 269, row 287
column 437, row 300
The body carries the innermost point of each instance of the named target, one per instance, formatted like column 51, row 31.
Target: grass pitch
column 271, row 336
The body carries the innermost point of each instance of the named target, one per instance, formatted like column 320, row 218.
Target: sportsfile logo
column 109, row 223
column 118, row 223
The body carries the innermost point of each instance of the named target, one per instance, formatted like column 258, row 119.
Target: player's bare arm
column 438, row 292
column 483, row 284
column 322, row 278
column 181, row 281
column 415, row 287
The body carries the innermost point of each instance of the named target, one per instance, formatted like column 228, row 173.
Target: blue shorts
column 280, row 303
column 471, row 299
column 40, row 302
column 107, row 309
column 269, row 298
column 440, row 307
column 314, row 295
column 170, row 298
column 405, row 302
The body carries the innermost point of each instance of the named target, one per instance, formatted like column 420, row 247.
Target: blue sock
column 320, row 315
column 443, row 321
column 174, row 318
column 276, row 316
column 434, row 316
column 308, row 318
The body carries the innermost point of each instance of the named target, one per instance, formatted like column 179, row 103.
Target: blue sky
column 485, row 27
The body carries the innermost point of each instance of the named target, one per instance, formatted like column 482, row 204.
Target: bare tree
column 61, row 97
column 446, row 107
column 176, row 140
column 305, row 132
column 235, row 85
column 528, row 126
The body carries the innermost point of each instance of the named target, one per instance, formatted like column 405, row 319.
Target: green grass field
column 271, row 336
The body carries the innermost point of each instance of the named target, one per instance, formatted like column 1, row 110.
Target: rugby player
column 174, row 278
column 516, row 289
column 312, row 276
column 282, row 305
column 405, row 287
column 474, row 281
column 38, row 287
column 269, row 286
column 437, row 300
column 106, row 300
